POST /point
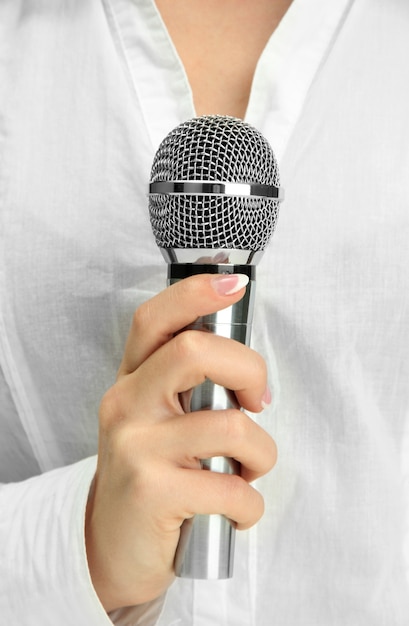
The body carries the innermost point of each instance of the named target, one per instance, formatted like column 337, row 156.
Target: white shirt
column 88, row 89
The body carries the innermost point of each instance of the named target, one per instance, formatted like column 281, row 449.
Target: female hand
column 148, row 478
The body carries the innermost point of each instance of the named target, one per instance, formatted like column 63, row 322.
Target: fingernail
column 228, row 284
column 266, row 398
column 220, row 257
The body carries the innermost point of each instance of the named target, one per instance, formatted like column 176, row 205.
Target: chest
column 219, row 44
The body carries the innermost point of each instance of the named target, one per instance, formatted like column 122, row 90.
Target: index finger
column 158, row 319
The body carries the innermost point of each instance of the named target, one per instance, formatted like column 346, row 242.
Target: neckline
column 283, row 75
column 289, row 63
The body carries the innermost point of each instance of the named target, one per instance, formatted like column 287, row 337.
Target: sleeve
column 44, row 576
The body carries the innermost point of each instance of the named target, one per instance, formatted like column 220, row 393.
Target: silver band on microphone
column 203, row 187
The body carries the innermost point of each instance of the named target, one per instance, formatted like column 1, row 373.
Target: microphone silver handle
column 206, row 544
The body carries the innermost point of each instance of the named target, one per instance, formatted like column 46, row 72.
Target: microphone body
column 206, row 545
column 214, row 197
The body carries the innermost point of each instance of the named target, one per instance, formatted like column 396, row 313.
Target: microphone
column 214, row 197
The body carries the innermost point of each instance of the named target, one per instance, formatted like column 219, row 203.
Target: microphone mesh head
column 215, row 149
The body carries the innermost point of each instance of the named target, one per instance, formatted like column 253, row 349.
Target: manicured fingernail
column 266, row 398
column 220, row 257
column 228, row 284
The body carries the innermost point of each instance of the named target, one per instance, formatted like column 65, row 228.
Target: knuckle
column 147, row 484
column 189, row 344
column 121, row 444
column 129, row 452
column 187, row 288
column 237, row 489
column 236, row 425
column 110, row 408
column 243, row 433
column 142, row 318
column 116, row 407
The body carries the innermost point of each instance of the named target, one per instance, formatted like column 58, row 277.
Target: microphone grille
column 214, row 148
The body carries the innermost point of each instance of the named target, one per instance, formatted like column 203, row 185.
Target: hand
column 148, row 477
